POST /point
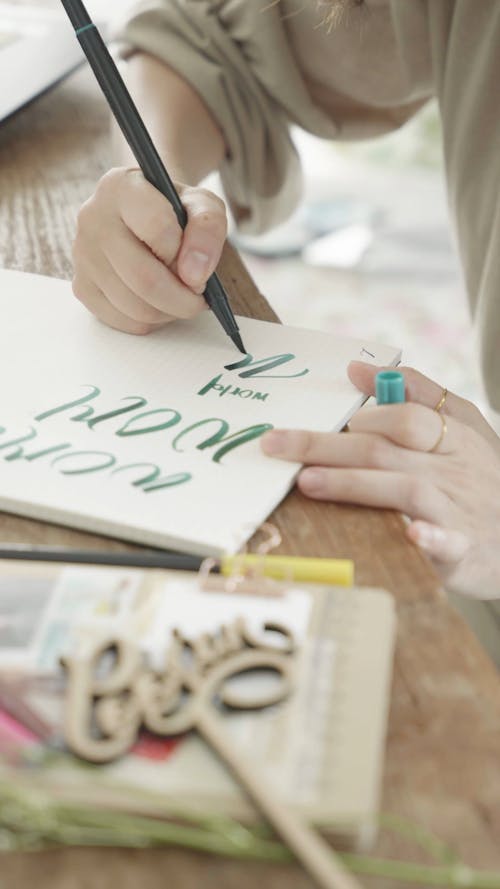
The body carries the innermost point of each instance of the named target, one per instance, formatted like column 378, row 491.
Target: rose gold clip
column 246, row 579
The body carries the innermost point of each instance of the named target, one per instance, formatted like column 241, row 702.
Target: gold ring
column 444, row 430
column 442, row 400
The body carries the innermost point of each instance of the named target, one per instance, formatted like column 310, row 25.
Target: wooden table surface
column 442, row 766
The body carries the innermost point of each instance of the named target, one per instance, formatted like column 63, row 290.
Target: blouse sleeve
column 465, row 41
column 235, row 54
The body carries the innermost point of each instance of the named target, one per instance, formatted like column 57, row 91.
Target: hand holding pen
column 140, row 260
column 134, row 268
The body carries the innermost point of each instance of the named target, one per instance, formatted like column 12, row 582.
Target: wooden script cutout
column 105, row 712
column 105, row 708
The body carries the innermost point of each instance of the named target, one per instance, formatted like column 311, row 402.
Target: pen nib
column 236, row 338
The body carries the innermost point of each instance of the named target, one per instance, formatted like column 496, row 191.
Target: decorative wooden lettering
column 105, row 712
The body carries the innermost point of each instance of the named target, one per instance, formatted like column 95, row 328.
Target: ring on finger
column 444, row 430
column 441, row 401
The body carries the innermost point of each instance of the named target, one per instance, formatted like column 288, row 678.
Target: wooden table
column 443, row 749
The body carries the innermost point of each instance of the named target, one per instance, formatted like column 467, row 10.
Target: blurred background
column 370, row 252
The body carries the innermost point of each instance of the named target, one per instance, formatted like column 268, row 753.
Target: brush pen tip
column 238, row 342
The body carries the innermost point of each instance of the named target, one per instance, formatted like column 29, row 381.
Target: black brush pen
column 132, row 126
column 123, row 559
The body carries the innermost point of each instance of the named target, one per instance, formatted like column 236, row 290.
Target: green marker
column 389, row 387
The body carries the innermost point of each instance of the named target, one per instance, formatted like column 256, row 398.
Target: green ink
column 83, row 417
column 235, row 439
column 223, row 429
column 222, row 390
column 18, row 454
column 138, row 402
column 153, row 481
column 69, row 404
column 43, row 453
column 243, row 393
column 174, row 419
column 169, row 481
column 109, row 461
column 214, row 384
column 84, row 462
column 260, row 365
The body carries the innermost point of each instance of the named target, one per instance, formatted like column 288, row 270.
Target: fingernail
column 430, row 536
column 312, row 481
column 274, row 443
column 195, row 268
column 355, row 363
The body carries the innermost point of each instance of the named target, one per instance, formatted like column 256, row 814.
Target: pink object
column 13, row 734
column 160, row 749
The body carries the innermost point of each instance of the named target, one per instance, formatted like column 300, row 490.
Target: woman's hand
column 134, row 267
column 389, row 459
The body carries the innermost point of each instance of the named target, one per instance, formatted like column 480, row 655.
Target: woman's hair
column 332, row 11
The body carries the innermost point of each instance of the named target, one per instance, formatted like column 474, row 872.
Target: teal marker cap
column 389, row 387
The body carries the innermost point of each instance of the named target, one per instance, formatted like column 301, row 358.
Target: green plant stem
column 454, row 875
column 440, row 851
column 70, row 825
column 143, row 832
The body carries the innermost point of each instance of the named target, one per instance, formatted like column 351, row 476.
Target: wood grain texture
column 443, row 751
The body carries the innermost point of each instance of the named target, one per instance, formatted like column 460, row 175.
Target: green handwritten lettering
column 153, row 481
column 43, row 453
column 108, row 461
column 259, row 366
column 214, row 384
column 137, row 400
column 234, row 440
column 95, row 391
column 243, row 393
column 128, row 428
column 16, row 443
column 223, row 429
column 90, row 461
column 87, row 415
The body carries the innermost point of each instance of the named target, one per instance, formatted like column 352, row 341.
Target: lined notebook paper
column 156, row 439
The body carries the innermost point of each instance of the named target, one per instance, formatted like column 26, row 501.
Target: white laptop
column 38, row 48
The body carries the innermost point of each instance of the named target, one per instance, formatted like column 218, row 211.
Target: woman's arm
column 183, row 130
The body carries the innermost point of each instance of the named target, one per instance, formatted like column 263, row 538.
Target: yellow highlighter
column 336, row 572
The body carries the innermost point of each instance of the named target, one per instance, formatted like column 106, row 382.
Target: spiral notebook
column 322, row 751
column 156, row 439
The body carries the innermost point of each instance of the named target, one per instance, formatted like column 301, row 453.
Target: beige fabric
column 260, row 65
column 483, row 619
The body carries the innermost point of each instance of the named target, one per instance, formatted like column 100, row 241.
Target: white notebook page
column 156, row 439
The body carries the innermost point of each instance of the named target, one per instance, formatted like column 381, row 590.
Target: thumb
column 441, row 544
column 418, row 387
column 363, row 374
column 203, row 237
